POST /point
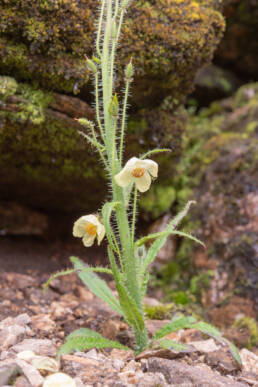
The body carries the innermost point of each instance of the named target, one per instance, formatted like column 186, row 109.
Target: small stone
column 43, row 347
column 11, row 335
column 59, row 380
column 30, row 373
column 43, row 323
column 250, row 361
column 21, row 381
column 26, row 355
column 205, row 346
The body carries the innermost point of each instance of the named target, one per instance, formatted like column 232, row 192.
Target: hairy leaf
column 131, row 312
column 107, row 210
column 153, row 151
column 180, row 323
column 81, row 343
column 97, row 286
column 171, row 344
column 210, row 330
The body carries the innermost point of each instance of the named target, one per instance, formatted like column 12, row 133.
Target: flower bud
column 85, row 122
column 114, row 107
column 91, row 66
column 129, row 71
column 97, row 60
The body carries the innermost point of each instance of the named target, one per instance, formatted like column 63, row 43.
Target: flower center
column 138, row 172
column 91, row 229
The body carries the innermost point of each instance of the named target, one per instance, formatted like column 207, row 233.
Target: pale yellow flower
column 88, row 228
column 137, row 171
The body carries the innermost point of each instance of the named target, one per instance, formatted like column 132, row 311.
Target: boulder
column 45, row 164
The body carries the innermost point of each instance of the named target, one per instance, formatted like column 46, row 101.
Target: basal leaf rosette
column 88, row 227
column 138, row 171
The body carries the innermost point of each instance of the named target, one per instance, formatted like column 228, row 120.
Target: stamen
column 138, row 172
column 91, row 229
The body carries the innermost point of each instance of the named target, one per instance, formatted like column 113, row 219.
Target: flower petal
column 88, row 240
column 131, row 163
column 124, row 177
column 151, row 166
column 143, row 183
column 100, row 232
column 79, row 227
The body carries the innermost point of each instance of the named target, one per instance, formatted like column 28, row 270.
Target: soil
column 31, row 320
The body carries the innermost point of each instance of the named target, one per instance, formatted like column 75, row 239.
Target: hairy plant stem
column 123, row 121
column 128, row 265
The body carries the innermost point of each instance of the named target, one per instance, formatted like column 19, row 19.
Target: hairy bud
column 85, row 122
column 129, row 71
column 91, row 66
column 114, row 107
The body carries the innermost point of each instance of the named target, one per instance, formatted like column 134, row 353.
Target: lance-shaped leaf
column 83, row 339
column 130, row 311
column 180, row 323
column 174, row 345
column 214, row 332
column 97, row 286
column 107, row 210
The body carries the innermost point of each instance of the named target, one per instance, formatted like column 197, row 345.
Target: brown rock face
column 223, row 177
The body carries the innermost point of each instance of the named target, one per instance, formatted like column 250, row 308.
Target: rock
column 250, row 361
column 177, row 373
column 12, row 220
column 59, row 380
column 238, row 49
column 205, row 346
column 43, row 324
column 196, row 27
column 43, row 347
column 222, row 361
column 11, row 335
column 19, row 281
column 31, row 374
column 9, row 369
column 220, row 172
column 44, row 162
column 213, row 83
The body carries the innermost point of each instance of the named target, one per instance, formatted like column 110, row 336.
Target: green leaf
column 234, row 351
column 171, row 344
column 107, row 210
column 180, row 323
column 161, row 234
column 83, row 332
column 210, row 330
column 177, row 219
column 130, row 311
column 97, row 286
column 153, row 151
column 56, row 275
column 71, row 271
column 82, row 343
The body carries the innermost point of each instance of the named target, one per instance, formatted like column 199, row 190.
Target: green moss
column 8, row 86
column 158, row 312
column 51, row 37
column 249, row 324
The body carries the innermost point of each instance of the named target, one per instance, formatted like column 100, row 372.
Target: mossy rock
column 43, row 42
column 47, row 165
column 219, row 169
column 238, row 49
